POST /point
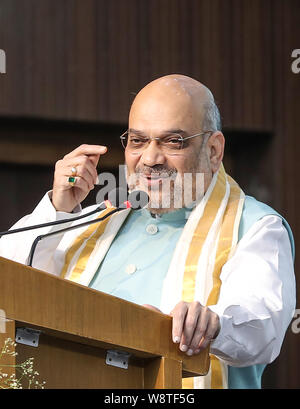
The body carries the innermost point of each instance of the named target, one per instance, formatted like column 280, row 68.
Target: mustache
column 157, row 170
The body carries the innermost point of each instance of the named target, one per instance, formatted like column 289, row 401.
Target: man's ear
column 216, row 144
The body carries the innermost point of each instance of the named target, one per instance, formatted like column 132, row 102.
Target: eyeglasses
column 169, row 143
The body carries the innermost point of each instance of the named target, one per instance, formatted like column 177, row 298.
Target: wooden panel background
column 84, row 61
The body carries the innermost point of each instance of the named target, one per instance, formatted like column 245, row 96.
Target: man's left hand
column 194, row 326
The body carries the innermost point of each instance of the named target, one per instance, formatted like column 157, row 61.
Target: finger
column 200, row 330
column 82, row 184
column 62, row 181
column 88, row 150
column 92, row 151
column 211, row 330
column 82, row 164
column 151, row 307
column 88, row 172
column 83, row 173
column 178, row 314
column 95, row 159
column 89, row 165
column 190, row 324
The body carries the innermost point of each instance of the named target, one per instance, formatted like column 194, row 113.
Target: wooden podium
column 84, row 331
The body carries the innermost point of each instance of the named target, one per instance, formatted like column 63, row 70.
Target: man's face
column 170, row 178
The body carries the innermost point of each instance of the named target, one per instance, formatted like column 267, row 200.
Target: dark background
column 74, row 66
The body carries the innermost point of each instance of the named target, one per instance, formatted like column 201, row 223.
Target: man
column 221, row 264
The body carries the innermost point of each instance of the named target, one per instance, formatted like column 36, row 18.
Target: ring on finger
column 72, row 180
column 74, row 171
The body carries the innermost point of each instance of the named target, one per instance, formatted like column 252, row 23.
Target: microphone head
column 118, row 197
column 138, row 199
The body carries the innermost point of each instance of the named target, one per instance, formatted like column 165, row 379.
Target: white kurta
column 257, row 297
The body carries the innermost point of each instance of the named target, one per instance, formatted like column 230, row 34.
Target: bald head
column 173, row 96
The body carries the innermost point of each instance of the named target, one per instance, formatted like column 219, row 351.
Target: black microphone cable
column 43, row 236
column 136, row 200
column 114, row 193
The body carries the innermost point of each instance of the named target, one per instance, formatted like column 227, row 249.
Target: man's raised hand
column 85, row 159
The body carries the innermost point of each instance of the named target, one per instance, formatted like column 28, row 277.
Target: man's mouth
column 153, row 179
column 154, row 176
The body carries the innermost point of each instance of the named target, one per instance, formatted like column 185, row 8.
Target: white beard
column 173, row 191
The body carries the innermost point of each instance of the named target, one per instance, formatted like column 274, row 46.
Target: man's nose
column 153, row 155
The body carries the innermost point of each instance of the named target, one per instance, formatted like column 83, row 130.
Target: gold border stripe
column 199, row 236
column 87, row 251
column 216, row 373
column 77, row 243
column 224, row 248
column 223, row 251
column 225, row 240
column 188, row 383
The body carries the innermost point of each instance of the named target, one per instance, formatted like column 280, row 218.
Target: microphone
column 113, row 200
column 102, row 206
column 136, row 200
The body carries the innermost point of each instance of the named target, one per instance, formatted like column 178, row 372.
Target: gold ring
column 74, row 171
column 72, row 180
